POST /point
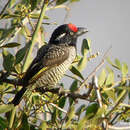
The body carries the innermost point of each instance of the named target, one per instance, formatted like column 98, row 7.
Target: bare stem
column 42, row 14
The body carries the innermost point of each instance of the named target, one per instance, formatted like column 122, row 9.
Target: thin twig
column 73, row 77
column 96, row 69
column 16, row 31
column 57, row 7
column 64, row 93
column 12, row 117
column 95, row 82
column 116, row 84
column 42, row 14
column 4, row 7
column 51, row 2
column 118, row 101
column 119, row 128
column 67, row 14
column 54, row 105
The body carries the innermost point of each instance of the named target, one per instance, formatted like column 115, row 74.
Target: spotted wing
column 47, row 57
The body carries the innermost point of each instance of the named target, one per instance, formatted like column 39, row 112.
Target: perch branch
column 64, row 93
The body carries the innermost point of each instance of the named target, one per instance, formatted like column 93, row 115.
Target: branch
column 118, row 101
column 118, row 128
column 54, row 105
column 42, row 14
column 4, row 79
column 60, row 92
column 4, row 7
column 95, row 82
column 96, row 69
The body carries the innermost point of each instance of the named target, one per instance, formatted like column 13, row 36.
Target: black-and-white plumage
column 52, row 60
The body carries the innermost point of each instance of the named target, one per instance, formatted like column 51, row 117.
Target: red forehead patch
column 72, row 27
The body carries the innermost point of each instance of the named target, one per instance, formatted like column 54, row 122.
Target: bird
column 52, row 60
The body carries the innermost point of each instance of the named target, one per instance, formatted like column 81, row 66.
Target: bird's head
column 67, row 33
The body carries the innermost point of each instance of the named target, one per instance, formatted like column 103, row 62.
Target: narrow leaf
column 124, row 69
column 62, row 102
column 111, row 94
column 111, row 63
column 21, row 54
column 91, row 110
column 5, row 108
column 10, row 45
column 110, row 78
column 102, row 77
column 3, row 123
column 11, row 3
column 75, row 71
column 8, row 60
column 85, row 46
column 59, row 2
column 82, row 63
column 118, row 64
column 74, row 86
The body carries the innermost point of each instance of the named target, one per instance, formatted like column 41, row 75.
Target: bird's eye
column 71, row 33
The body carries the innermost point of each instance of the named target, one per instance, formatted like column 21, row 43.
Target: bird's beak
column 81, row 31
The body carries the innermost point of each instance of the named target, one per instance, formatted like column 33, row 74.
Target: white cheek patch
column 60, row 36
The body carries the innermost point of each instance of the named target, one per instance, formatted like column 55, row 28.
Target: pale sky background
column 108, row 22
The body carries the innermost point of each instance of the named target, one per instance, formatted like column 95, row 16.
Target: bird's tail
column 18, row 96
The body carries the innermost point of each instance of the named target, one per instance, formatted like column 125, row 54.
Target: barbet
column 52, row 60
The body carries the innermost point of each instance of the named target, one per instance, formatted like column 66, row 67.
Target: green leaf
column 43, row 125
column 59, row 2
column 5, row 108
column 85, row 47
column 91, row 110
column 82, row 63
column 11, row 3
column 35, row 99
column 3, row 123
column 74, row 86
column 110, row 78
column 81, row 124
column 33, row 4
column 75, row 71
column 100, row 112
column 25, row 124
column 10, row 45
column 102, row 77
column 36, row 16
column 8, row 60
column 111, row 94
column 118, row 64
column 21, row 54
column 111, row 63
column 18, row 68
column 62, row 102
column 74, row 0
column 124, row 69
column 70, row 114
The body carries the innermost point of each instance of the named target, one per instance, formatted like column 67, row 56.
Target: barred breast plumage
column 52, row 60
column 51, row 77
